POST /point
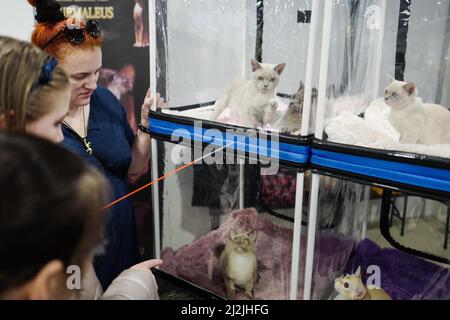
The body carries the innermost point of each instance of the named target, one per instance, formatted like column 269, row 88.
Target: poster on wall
column 126, row 54
column 126, row 68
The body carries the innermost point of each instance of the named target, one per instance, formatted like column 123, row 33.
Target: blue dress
column 111, row 138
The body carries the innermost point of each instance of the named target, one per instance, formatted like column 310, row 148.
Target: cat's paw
column 273, row 103
column 249, row 295
column 231, row 295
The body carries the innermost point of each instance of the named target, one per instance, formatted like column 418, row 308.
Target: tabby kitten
column 291, row 120
column 237, row 263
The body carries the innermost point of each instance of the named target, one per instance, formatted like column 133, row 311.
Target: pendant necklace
column 87, row 144
column 84, row 141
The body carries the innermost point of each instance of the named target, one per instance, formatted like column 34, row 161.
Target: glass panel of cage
column 205, row 67
column 230, row 228
column 386, row 244
column 386, row 66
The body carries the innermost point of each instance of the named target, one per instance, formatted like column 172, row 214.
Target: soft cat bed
column 197, row 263
column 202, row 113
column 403, row 276
column 375, row 131
column 227, row 116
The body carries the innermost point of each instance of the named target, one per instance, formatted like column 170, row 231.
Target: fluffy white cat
column 417, row 122
column 252, row 101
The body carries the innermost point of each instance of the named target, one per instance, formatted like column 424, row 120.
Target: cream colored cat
column 238, row 262
column 417, row 122
column 253, row 101
column 351, row 287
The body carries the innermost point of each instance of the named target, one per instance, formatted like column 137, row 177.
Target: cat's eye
column 346, row 285
column 260, row 78
column 273, row 79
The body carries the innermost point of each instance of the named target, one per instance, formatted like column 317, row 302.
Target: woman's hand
column 140, row 153
column 147, row 106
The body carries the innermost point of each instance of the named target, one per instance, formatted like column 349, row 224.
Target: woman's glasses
column 76, row 35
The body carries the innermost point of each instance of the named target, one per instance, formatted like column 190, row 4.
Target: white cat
column 417, row 122
column 252, row 101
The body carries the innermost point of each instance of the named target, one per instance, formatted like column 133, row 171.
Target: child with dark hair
column 49, row 217
column 51, row 221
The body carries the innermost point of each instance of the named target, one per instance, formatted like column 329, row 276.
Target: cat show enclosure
column 202, row 46
column 353, row 131
column 335, row 203
column 356, row 146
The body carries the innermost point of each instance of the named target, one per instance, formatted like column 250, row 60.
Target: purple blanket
column 403, row 276
column 197, row 264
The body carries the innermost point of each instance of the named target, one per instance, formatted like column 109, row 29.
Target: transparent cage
column 394, row 131
column 203, row 206
column 392, row 239
column 365, row 46
column 354, row 213
column 206, row 47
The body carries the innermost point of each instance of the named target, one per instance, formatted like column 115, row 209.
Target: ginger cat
column 351, row 287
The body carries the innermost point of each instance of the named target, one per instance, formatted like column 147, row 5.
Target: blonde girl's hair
column 24, row 97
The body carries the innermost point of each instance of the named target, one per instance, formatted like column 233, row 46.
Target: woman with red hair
column 96, row 127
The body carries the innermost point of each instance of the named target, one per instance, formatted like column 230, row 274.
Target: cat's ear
column 331, row 91
column 255, row 65
column 358, row 272
column 253, row 235
column 279, row 68
column 410, row 88
column 302, row 86
column 315, row 94
column 233, row 233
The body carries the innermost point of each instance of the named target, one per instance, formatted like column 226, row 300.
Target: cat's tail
column 218, row 249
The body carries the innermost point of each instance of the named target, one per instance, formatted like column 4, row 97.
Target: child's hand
column 147, row 265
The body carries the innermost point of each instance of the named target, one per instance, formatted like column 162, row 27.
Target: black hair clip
column 49, row 11
column 47, row 71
